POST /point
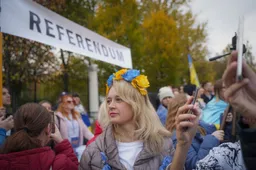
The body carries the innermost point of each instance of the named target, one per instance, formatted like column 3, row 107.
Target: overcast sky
column 222, row 17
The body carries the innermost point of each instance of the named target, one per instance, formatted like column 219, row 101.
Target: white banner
column 27, row 19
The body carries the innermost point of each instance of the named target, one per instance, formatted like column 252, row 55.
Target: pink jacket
column 83, row 130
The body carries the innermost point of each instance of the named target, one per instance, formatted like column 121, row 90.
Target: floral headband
column 138, row 81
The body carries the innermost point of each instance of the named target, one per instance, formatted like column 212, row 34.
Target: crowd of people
column 132, row 132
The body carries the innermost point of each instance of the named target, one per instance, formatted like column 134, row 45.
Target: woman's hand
column 241, row 95
column 186, row 124
column 219, row 134
column 2, row 111
column 56, row 137
column 7, row 123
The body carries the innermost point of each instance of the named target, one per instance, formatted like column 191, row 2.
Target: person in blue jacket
column 205, row 139
column 5, row 125
column 211, row 113
column 165, row 96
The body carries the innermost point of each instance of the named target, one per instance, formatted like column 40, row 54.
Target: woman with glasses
column 71, row 125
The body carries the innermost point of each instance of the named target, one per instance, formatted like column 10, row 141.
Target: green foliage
column 78, row 82
column 25, row 61
column 157, row 33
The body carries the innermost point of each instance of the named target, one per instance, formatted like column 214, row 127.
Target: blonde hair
column 61, row 109
column 103, row 115
column 149, row 129
column 173, row 107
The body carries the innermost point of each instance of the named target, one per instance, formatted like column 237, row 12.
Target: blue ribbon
column 166, row 161
column 104, row 160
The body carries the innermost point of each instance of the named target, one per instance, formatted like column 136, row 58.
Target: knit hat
column 165, row 92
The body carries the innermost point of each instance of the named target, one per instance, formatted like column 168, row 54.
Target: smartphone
column 193, row 103
column 194, row 100
column 53, row 122
column 239, row 46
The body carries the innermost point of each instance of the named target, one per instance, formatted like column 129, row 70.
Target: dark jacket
column 206, row 99
column 248, row 143
column 146, row 160
column 227, row 130
column 201, row 145
column 41, row 159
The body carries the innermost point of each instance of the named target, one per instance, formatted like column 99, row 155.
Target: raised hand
column 56, row 136
column 2, row 111
column 186, row 124
column 241, row 95
column 219, row 134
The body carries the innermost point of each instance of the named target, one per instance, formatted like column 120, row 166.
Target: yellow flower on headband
column 118, row 75
column 141, row 83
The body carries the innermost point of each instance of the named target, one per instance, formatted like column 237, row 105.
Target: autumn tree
column 181, row 38
column 160, row 36
column 78, row 81
column 119, row 21
column 25, row 61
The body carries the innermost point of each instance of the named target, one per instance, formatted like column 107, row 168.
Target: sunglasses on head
column 69, row 101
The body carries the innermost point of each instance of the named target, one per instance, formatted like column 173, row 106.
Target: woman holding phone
column 26, row 148
column 205, row 139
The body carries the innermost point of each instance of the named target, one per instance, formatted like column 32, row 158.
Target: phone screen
column 194, row 99
column 195, row 96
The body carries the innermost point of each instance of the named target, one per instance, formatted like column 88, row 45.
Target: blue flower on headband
column 130, row 75
column 110, row 80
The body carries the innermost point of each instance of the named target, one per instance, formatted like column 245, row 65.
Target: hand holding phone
column 186, row 124
column 7, row 123
column 56, row 136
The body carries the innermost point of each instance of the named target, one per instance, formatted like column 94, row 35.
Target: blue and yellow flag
column 193, row 76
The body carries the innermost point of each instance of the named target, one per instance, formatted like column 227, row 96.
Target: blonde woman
column 134, row 137
column 71, row 125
